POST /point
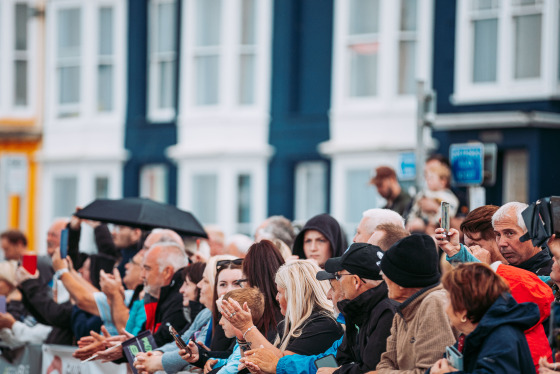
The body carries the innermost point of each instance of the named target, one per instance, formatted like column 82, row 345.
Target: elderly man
column 162, row 280
column 366, row 308
column 373, row 218
column 388, row 187
column 386, row 235
column 509, row 227
column 276, row 227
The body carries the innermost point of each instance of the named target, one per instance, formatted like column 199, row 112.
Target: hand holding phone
column 180, row 342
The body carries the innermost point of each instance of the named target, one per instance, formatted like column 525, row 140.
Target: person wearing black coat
column 366, row 308
column 308, row 244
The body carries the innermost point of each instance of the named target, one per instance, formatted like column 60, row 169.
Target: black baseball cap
column 361, row 259
column 324, row 275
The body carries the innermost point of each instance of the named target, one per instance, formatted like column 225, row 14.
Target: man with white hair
column 509, row 227
column 373, row 218
column 161, row 274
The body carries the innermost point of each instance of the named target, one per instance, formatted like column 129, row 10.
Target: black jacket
column 330, row 228
column 170, row 309
column 38, row 301
column 369, row 318
column 540, row 264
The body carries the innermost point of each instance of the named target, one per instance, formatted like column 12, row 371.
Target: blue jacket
column 497, row 345
column 300, row 364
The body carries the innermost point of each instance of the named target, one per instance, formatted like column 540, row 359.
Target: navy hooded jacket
column 330, row 228
column 498, row 344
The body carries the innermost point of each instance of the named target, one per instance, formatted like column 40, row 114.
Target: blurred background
column 240, row 109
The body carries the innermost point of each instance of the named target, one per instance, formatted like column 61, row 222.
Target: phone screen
column 326, row 362
column 2, row 304
column 64, row 243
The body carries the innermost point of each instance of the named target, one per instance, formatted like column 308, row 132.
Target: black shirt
column 318, row 333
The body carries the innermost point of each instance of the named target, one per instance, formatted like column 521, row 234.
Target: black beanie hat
column 412, row 262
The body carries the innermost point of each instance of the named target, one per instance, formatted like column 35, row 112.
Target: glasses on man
column 223, row 263
column 338, row 276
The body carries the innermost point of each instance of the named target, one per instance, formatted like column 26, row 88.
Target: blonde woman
column 309, row 326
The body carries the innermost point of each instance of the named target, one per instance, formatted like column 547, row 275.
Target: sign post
column 467, row 168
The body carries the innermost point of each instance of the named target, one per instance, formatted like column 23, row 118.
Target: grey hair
column 505, row 210
column 168, row 236
column 172, row 254
column 378, row 217
column 279, row 227
column 242, row 242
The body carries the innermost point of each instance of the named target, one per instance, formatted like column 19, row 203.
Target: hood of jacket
column 330, row 228
column 504, row 311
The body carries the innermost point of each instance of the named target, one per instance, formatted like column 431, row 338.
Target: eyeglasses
column 337, row 276
column 224, row 263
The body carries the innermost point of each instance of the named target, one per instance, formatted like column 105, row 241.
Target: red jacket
column 527, row 287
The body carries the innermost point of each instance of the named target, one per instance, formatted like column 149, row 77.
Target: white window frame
column 506, row 88
column 390, row 35
column 156, row 114
column 89, row 60
column 229, row 52
column 9, row 55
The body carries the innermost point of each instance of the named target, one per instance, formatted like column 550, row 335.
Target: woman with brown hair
column 491, row 323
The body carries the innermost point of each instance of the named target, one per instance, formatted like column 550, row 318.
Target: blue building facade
column 517, row 108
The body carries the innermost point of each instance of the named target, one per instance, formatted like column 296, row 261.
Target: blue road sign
column 407, row 166
column 467, row 163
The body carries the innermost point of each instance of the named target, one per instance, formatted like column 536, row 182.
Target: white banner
column 57, row 359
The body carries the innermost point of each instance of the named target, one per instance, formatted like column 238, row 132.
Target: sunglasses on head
column 222, row 263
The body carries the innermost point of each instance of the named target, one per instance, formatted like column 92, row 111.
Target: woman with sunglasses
column 309, row 326
column 224, row 276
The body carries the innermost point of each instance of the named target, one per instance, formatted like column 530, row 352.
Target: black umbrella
column 143, row 213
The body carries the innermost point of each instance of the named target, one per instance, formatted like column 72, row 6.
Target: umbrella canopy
column 143, row 213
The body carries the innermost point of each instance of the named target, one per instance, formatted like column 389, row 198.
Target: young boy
column 255, row 301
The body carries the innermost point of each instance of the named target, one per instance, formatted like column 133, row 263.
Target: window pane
column 207, row 78
column 69, row 33
column 106, row 31
column 359, row 195
column 363, row 69
column 208, row 21
column 485, row 50
column 247, row 79
column 244, row 198
column 166, row 27
column 408, row 15
column 484, row 4
column 166, row 71
column 311, row 189
column 528, row 46
column 204, row 198
column 407, row 64
column 105, row 88
column 65, row 196
column 20, row 84
column 153, row 182
column 69, row 85
column 101, row 187
column 516, row 176
column 21, row 27
column 364, row 16
column 248, row 22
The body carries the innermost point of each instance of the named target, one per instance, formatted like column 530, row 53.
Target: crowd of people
column 406, row 296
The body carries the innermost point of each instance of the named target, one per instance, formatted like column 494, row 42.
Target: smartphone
column 445, row 217
column 29, row 262
column 180, row 342
column 2, row 304
column 454, row 357
column 326, row 362
column 64, row 243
